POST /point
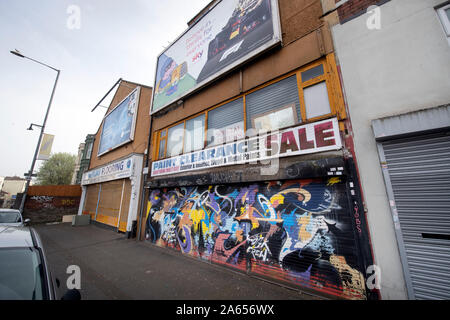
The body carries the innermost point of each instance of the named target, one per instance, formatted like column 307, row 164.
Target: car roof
column 9, row 210
column 15, row 237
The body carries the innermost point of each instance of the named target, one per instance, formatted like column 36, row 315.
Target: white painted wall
column 14, row 187
column 403, row 67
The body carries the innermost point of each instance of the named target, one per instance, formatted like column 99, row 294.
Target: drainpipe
column 145, row 178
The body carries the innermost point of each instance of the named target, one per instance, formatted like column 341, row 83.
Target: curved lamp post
column 29, row 177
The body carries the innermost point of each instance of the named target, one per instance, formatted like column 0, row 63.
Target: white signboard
column 116, row 170
column 309, row 138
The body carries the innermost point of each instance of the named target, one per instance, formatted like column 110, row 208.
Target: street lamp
column 29, row 176
column 33, row 124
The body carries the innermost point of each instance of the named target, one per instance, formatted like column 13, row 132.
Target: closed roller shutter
column 419, row 172
column 109, row 204
column 228, row 114
column 272, row 97
column 90, row 204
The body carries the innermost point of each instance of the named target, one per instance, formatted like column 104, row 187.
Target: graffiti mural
column 298, row 231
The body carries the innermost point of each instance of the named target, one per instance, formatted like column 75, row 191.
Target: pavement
column 114, row 267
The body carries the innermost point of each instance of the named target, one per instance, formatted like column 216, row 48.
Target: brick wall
column 50, row 203
column 353, row 8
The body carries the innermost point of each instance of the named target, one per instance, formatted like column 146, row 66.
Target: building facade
column 77, row 163
column 394, row 59
column 111, row 188
column 10, row 188
column 252, row 160
column 84, row 158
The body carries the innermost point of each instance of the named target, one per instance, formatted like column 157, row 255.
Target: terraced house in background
column 252, row 162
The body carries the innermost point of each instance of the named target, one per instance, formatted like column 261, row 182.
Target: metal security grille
column 228, row 114
column 273, row 97
column 419, row 174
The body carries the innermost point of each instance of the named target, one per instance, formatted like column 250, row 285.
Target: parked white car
column 12, row 217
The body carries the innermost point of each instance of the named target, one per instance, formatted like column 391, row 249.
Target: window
column 175, row 140
column 315, row 91
column 162, row 148
column 309, row 94
column 316, row 100
column 267, row 107
column 226, row 123
column 184, row 137
column 275, row 119
column 194, row 135
column 444, row 16
column 312, row 73
column 89, row 150
column 21, row 274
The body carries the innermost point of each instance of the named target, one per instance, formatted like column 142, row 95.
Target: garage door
column 298, row 231
column 91, row 201
column 109, row 203
column 418, row 178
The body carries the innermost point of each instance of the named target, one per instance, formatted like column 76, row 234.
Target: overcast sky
column 112, row 39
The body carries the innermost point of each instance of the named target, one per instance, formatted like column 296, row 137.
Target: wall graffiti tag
column 299, row 231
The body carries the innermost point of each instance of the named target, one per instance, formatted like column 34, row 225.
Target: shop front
column 281, row 206
column 110, row 193
column 252, row 163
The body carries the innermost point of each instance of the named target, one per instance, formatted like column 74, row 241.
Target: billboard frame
column 276, row 40
column 133, row 124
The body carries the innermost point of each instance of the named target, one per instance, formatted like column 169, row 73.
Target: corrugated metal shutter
column 90, row 204
column 226, row 115
column 419, row 171
column 109, row 204
column 273, row 97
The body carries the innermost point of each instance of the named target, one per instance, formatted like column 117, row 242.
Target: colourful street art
column 295, row 231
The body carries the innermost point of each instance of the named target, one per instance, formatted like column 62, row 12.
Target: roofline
column 138, row 84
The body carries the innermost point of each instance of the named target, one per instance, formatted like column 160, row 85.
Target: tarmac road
column 113, row 267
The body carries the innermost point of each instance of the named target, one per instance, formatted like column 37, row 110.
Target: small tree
column 57, row 170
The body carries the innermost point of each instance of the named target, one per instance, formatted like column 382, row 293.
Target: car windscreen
column 21, row 274
column 9, row 217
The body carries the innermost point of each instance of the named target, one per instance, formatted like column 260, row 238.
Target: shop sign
column 116, row 170
column 310, row 138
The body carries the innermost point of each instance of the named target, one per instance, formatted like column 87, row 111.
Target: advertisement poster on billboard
column 119, row 124
column 229, row 34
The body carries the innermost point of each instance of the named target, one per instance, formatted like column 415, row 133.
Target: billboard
column 229, row 34
column 309, row 138
column 46, row 147
column 119, row 123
